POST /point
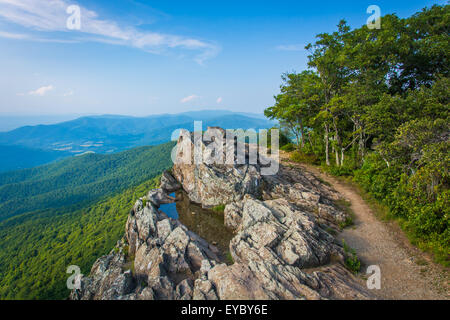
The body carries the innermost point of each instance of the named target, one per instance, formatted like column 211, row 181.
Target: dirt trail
column 406, row 272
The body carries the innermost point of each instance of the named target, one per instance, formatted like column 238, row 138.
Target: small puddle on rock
column 207, row 223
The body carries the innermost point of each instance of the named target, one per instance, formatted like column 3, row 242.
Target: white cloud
column 50, row 16
column 291, row 47
column 219, row 100
column 69, row 93
column 42, row 91
column 21, row 36
column 189, row 98
column 9, row 35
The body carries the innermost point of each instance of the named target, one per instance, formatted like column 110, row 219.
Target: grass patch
column 345, row 206
column 301, row 157
column 331, row 231
column 348, row 222
column 288, row 147
column 421, row 262
column 220, row 208
column 229, row 258
column 351, row 260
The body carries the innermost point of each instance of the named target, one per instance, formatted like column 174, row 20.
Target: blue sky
column 139, row 57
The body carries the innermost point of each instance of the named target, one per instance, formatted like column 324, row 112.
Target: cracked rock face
column 281, row 249
column 161, row 261
column 211, row 184
column 275, row 231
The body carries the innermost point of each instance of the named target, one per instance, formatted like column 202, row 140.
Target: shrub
column 351, row 260
column 301, row 157
column 220, row 208
column 229, row 258
column 338, row 171
column 288, row 147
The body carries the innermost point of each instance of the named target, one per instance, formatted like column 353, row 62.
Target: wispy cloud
column 50, row 16
column 189, row 98
column 291, row 47
column 219, row 100
column 42, row 91
column 69, row 93
column 10, row 35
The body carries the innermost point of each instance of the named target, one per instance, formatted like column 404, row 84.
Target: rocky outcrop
column 158, row 259
column 281, row 248
column 276, row 231
column 305, row 191
column 274, row 245
column 214, row 184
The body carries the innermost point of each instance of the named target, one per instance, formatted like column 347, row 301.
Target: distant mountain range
column 29, row 146
column 10, row 122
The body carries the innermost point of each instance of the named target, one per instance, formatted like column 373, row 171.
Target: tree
column 297, row 103
column 328, row 58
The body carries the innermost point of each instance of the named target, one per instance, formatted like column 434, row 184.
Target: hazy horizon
column 11, row 121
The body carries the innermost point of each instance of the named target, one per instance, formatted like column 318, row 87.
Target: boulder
column 158, row 197
column 168, row 183
column 214, row 184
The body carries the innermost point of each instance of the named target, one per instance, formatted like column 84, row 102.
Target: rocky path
column 406, row 272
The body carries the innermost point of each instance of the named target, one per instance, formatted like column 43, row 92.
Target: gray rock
column 158, row 197
column 168, row 183
column 278, row 232
column 215, row 184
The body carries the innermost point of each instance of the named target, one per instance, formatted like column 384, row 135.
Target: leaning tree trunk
column 327, row 145
column 303, row 133
column 361, row 144
column 337, row 155
column 338, row 143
